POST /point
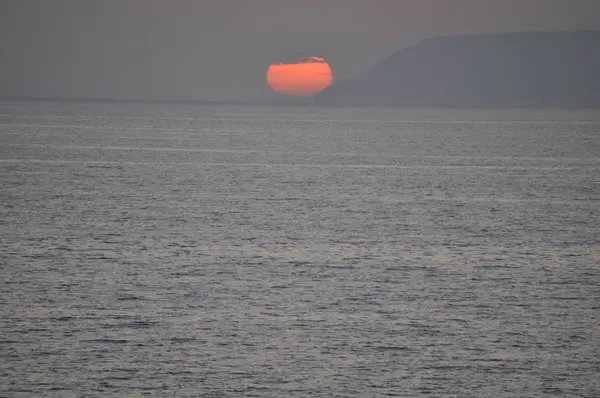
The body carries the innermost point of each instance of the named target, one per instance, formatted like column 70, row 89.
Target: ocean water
column 226, row 251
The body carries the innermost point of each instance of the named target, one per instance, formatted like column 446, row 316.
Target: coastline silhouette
column 517, row 69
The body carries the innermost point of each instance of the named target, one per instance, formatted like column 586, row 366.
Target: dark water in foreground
column 190, row 250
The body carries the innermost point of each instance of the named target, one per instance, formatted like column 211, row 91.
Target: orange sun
column 301, row 79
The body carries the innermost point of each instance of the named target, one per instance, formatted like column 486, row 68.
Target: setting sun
column 301, row 79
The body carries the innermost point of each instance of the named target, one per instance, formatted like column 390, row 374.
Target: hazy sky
column 221, row 49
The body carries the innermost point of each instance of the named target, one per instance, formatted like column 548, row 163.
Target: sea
column 223, row 250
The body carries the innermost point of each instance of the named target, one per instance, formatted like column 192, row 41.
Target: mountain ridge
column 535, row 68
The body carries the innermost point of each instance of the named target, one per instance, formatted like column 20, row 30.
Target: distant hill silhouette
column 530, row 68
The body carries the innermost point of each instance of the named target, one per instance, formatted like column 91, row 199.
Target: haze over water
column 214, row 250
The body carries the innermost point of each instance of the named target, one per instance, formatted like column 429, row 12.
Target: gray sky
column 220, row 49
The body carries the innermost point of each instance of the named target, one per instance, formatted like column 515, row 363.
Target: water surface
column 218, row 250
